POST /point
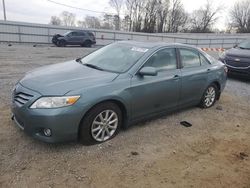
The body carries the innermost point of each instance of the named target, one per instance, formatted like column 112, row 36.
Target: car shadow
column 146, row 121
column 76, row 46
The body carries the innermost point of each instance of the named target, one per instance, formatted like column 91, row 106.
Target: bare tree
column 204, row 18
column 108, row 21
column 126, row 22
column 150, row 16
column 81, row 23
column 137, row 16
column 68, row 18
column 240, row 16
column 92, row 22
column 55, row 20
column 129, row 7
column 162, row 13
column 117, row 5
column 177, row 16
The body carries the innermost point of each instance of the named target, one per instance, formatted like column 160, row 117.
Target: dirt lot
column 214, row 152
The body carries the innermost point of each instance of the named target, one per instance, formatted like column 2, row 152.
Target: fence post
column 209, row 43
column 19, row 34
column 237, row 41
column 223, row 40
column 48, row 35
column 114, row 37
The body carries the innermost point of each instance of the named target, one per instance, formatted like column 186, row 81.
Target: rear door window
column 81, row 34
column 189, row 58
column 74, row 34
column 203, row 60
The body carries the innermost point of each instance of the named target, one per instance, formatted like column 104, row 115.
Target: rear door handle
column 176, row 77
column 208, row 70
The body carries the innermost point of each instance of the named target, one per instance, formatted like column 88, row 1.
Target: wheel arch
column 218, row 85
column 118, row 102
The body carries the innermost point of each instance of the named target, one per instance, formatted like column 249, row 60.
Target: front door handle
column 208, row 70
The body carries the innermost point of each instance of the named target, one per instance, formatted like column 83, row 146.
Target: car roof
column 82, row 31
column 154, row 44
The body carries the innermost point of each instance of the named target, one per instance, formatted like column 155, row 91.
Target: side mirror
column 236, row 45
column 148, row 71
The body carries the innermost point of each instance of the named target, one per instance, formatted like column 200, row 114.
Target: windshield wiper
column 93, row 66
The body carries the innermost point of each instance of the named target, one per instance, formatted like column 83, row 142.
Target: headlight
column 222, row 55
column 54, row 102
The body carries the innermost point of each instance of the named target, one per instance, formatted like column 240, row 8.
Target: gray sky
column 40, row 11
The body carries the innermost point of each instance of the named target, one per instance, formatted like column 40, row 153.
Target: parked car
column 237, row 59
column 91, row 98
column 82, row 38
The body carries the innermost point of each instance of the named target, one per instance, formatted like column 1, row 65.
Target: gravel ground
column 214, row 152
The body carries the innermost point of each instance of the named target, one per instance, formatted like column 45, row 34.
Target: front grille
column 21, row 98
column 238, row 64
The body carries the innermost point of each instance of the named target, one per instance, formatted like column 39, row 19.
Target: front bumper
column 238, row 71
column 233, row 70
column 63, row 122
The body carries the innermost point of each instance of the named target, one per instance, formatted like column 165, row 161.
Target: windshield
column 116, row 57
column 244, row 45
column 65, row 34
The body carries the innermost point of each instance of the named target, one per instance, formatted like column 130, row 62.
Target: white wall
column 42, row 33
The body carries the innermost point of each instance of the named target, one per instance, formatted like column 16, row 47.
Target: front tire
column 210, row 96
column 61, row 43
column 101, row 123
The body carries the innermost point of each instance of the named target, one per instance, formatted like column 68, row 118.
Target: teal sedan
column 91, row 98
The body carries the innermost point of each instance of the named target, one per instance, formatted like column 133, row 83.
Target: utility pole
column 4, row 11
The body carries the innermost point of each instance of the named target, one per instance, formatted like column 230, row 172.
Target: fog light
column 47, row 132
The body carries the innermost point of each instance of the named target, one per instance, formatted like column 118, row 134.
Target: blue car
column 92, row 98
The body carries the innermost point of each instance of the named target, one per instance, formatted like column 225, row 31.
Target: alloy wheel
column 104, row 125
column 209, row 96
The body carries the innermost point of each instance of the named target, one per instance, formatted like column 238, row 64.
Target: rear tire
column 210, row 96
column 87, row 43
column 100, row 124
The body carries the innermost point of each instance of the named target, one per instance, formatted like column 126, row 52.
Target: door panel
column 192, row 84
column 194, row 77
column 151, row 94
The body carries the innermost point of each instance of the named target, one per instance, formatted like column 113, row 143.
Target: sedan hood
column 59, row 79
column 237, row 52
